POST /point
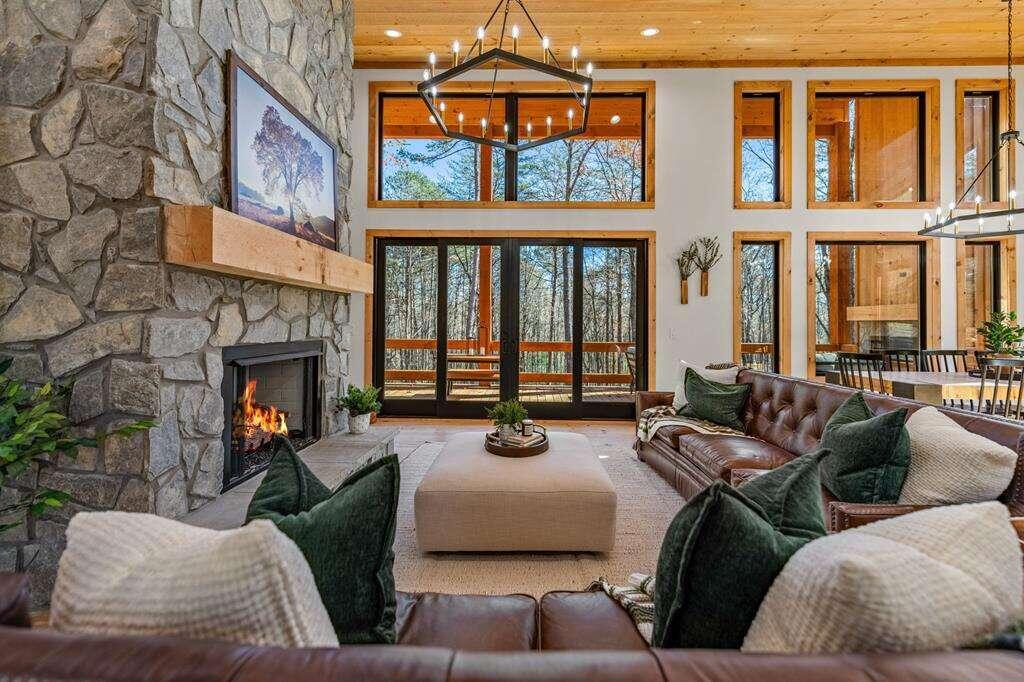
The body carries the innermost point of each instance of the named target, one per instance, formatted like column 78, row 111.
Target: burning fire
column 256, row 419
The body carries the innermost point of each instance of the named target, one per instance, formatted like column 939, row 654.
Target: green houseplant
column 34, row 431
column 687, row 262
column 360, row 403
column 1002, row 333
column 507, row 416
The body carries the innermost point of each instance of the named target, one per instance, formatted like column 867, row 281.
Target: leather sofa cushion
column 467, row 622
column 717, row 455
column 670, row 434
column 586, row 620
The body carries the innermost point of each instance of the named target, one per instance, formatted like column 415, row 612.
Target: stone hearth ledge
column 329, row 458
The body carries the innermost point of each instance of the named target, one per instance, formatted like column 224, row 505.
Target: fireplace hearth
column 268, row 389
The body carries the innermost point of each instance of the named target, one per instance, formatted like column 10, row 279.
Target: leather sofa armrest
column 845, row 515
column 14, row 600
column 739, row 476
column 646, row 399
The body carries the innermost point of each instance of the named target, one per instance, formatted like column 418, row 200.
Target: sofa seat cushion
column 467, row 622
column 718, row 455
column 586, row 620
column 670, row 434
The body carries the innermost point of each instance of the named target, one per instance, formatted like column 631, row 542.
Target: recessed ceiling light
column 650, row 32
column 393, row 33
column 615, row 119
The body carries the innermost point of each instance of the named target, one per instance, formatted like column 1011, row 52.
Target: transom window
column 607, row 165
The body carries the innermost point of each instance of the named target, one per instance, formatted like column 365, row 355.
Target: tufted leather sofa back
column 791, row 413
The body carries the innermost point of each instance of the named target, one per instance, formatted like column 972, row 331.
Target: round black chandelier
column 971, row 222
column 555, row 126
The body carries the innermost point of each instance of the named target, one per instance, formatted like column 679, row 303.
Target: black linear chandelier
column 969, row 224
column 453, row 124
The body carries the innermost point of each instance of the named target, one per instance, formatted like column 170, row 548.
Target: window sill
column 930, row 205
column 508, row 205
column 757, row 205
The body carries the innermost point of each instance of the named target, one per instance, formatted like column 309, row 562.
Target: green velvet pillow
column 870, row 454
column 347, row 536
column 714, row 402
column 724, row 548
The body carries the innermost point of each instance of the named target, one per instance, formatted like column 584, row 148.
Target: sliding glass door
column 557, row 323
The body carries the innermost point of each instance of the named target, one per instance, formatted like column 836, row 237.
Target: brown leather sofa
column 567, row 636
column 785, row 417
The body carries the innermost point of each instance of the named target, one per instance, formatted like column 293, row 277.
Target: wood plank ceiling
column 704, row 32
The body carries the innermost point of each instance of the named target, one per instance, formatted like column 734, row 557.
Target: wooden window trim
column 1006, row 121
column 785, row 241
column 929, row 88
column 785, row 91
column 1007, row 279
column 933, row 335
column 649, row 236
column 377, row 88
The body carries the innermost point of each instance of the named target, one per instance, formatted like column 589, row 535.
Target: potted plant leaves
column 1002, row 334
column 507, row 417
column 34, row 433
column 687, row 262
column 709, row 252
column 360, row 403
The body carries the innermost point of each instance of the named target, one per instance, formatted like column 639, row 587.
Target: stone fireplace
column 113, row 109
column 268, row 389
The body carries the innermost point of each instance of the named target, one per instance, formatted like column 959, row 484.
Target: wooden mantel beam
column 210, row 238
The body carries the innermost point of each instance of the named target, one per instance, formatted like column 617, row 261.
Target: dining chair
column 1001, row 374
column 861, row 370
column 902, row 360
column 944, row 360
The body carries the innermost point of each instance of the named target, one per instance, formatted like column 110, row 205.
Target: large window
column 872, row 144
column 761, row 296
column 762, row 117
column 981, row 115
column 986, row 282
column 870, row 294
column 608, row 166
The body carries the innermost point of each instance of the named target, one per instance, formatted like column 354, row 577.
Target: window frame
column 931, row 335
column 929, row 152
column 783, row 240
column 378, row 89
column 1006, row 266
column 1005, row 121
column 783, row 91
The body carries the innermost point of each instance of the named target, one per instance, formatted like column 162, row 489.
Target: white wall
column 693, row 192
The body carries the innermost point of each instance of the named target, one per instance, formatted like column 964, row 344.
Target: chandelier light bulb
column 615, row 119
column 545, row 45
column 977, row 203
column 570, row 114
column 483, row 125
column 455, row 53
column 927, row 218
column 480, row 39
column 952, row 207
column 549, row 125
column 1013, row 199
column 590, row 68
column 442, row 107
column 461, row 119
column 575, row 54
column 529, row 130
column 426, row 75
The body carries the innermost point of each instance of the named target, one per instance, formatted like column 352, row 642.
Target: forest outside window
column 872, row 144
column 608, row 166
column 762, row 119
column 981, row 115
column 761, row 299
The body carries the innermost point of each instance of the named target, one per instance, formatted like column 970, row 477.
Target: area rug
column 646, row 505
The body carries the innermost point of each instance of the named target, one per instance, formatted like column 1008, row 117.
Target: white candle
column 432, row 60
column 480, row 39
column 515, row 38
column 455, row 53
column 545, row 44
column 575, row 54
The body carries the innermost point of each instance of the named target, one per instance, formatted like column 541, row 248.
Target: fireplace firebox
column 269, row 388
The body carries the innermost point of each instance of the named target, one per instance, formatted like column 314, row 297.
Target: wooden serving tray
column 494, row 446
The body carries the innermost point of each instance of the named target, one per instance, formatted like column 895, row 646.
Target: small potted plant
column 687, row 262
column 360, row 403
column 1002, row 334
column 508, row 417
column 709, row 252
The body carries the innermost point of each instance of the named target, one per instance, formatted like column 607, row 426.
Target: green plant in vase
column 507, row 416
column 361, row 403
column 34, row 431
column 1002, row 334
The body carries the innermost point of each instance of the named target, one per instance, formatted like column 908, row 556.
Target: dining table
column 932, row 387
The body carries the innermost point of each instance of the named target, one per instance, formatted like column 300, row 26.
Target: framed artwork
column 282, row 168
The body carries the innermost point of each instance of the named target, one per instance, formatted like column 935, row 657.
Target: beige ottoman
column 473, row 501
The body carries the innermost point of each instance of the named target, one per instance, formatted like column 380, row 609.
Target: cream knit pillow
column 951, row 465
column 935, row 579
column 139, row 574
column 722, row 376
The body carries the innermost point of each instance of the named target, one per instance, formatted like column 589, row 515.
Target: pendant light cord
column 1009, row 60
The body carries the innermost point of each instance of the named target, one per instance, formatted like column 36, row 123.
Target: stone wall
column 110, row 109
